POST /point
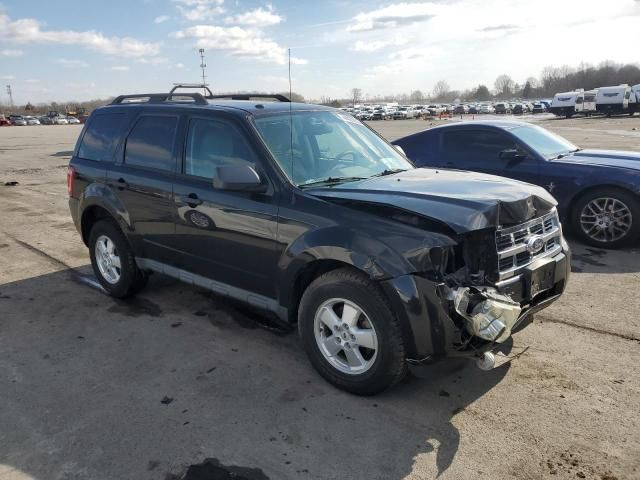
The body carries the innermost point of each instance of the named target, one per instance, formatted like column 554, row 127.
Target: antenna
column 290, row 116
column 203, row 66
column 10, row 93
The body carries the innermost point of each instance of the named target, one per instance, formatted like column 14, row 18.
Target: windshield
column 327, row 146
column 543, row 141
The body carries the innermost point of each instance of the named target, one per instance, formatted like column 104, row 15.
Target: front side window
column 101, row 137
column 312, row 146
column 212, row 144
column 150, row 143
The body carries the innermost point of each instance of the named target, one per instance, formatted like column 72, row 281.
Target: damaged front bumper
column 468, row 321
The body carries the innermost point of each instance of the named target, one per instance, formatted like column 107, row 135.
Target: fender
column 98, row 194
column 365, row 252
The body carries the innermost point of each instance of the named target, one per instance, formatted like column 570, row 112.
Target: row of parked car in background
column 619, row 99
column 51, row 118
column 392, row 111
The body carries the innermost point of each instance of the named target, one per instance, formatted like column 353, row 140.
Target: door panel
column 223, row 235
column 479, row 150
column 142, row 182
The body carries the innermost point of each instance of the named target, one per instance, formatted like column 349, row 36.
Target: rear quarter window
column 101, row 137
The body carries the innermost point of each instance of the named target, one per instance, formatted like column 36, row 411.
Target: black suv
column 305, row 212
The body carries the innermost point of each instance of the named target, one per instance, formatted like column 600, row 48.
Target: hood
column 604, row 158
column 464, row 201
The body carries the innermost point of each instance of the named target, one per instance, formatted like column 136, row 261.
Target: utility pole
column 10, row 93
column 203, row 66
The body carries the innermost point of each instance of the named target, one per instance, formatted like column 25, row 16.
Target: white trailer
column 611, row 100
column 564, row 104
column 586, row 102
column 634, row 100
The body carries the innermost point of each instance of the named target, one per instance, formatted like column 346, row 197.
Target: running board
column 250, row 298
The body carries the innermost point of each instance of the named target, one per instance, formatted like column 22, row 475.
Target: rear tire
column 350, row 333
column 113, row 262
column 607, row 218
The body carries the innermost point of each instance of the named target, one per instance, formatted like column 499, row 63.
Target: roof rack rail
column 159, row 97
column 204, row 86
column 249, row 96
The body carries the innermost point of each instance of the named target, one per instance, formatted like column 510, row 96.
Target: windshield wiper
column 330, row 181
column 384, row 173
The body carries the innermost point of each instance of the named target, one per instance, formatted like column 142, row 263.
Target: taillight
column 71, row 176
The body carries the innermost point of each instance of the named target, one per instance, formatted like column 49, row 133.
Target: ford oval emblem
column 535, row 243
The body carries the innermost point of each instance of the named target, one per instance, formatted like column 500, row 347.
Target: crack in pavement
column 593, row 329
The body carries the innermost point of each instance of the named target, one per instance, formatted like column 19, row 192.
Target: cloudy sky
column 79, row 49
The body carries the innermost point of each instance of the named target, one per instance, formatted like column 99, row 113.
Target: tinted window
column 150, row 143
column 101, row 137
column 211, row 144
column 475, row 145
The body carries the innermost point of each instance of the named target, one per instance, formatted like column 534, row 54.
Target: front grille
column 514, row 250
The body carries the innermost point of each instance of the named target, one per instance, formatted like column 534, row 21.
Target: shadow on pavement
column 586, row 259
column 171, row 381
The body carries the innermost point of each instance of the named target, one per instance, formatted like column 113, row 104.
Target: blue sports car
column 598, row 191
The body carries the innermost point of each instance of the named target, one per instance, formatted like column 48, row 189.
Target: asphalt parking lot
column 178, row 382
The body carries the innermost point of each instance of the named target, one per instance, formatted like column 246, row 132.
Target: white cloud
column 119, row 68
column 10, row 53
column 258, row 17
column 72, row 63
column 179, row 65
column 239, row 42
column 7, row 77
column 375, row 45
column 407, row 62
column 153, row 61
column 394, row 15
column 28, row 30
column 161, row 19
column 200, row 10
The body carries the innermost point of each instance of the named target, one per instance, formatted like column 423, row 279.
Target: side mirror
column 399, row 148
column 512, row 155
column 239, row 178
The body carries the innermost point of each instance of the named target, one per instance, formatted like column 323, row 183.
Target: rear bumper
column 434, row 331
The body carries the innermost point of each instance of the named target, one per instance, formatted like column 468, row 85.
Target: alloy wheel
column 606, row 219
column 107, row 259
column 345, row 336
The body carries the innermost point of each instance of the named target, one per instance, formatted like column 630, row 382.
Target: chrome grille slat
column 511, row 243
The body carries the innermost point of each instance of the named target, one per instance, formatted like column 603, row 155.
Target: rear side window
column 101, row 137
column 150, row 143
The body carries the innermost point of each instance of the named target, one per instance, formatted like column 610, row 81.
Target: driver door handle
column 192, row 200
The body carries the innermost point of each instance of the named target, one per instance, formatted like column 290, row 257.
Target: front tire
column 607, row 218
column 350, row 333
column 113, row 261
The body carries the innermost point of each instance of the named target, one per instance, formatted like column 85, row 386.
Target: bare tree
column 416, row 97
column 356, row 95
column 504, row 86
column 440, row 90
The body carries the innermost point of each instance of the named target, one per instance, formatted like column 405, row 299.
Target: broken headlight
column 489, row 314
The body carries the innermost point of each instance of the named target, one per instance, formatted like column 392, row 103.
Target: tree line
column 552, row 80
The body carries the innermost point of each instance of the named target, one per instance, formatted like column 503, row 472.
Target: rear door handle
column 192, row 200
